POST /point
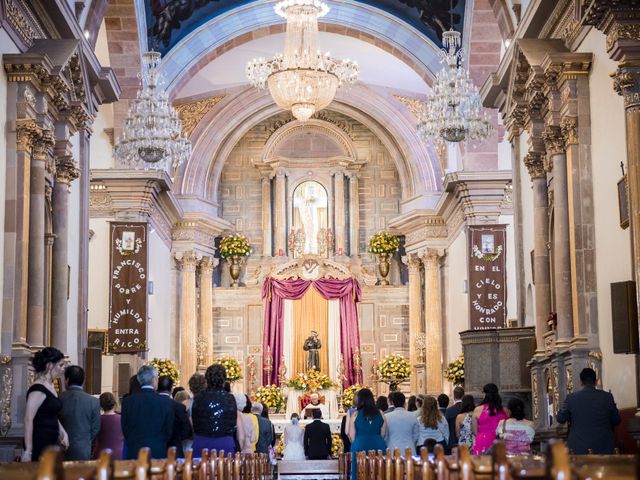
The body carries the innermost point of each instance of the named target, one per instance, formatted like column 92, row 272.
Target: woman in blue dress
column 367, row 428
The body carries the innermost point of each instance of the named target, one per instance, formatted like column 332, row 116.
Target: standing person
column 411, row 404
column 265, row 434
column 432, row 424
column 390, row 407
column 265, row 414
column 110, row 435
column 197, row 384
column 147, row 420
column 80, row 415
column 293, row 440
column 516, row 431
column 382, row 404
column 451, row 413
column 181, row 425
column 214, row 414
column 443, row 403
column 464, row 433
column 317, row 438
column 367, row 427
column 419, row 401
column 401, row 426
column 485, row 419
column 344, row 425
column 250, row 432
column 255, row 428
column 41, row 425
column 592, row 414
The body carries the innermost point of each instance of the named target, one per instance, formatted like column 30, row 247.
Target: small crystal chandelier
column 303, row 79
column 453, row 111
column 152, row 136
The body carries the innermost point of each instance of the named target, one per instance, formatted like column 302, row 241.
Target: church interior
column 453, row 187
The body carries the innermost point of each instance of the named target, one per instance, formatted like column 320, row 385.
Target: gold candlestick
column 268, row 364
column 251, row 374
column 282, row 372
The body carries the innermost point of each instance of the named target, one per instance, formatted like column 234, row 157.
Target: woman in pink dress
column 485, row 419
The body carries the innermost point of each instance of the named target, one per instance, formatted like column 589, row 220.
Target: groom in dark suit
column 317, row 438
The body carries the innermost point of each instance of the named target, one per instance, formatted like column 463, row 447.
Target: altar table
column 293, row 402
column 279, row 424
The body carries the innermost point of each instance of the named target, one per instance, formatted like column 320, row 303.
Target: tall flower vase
column 393, row 386
column 234, row 269
column 383, row 267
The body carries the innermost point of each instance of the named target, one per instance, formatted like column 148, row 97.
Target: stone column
column 281, row 214
column 266, row 217
column 541, row 270
column 354, row 215
column 554, row 142
column 66, row 172
column 188, row 321
column 415, row 313
column 432, row 321
column 339, row 209
column 205, row 326
column 36, row 294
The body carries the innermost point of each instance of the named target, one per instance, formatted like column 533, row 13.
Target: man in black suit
column 317, row 438
column 592, row 414
column 181, row 425
column 147, row 419
column 451, row 413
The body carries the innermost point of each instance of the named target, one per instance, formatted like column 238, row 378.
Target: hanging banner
column 487, row 277
column 128, row 292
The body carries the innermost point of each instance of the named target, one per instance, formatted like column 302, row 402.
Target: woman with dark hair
column 265, row 414
column 516, row 431
column 463, row 421
column 366, row 428
column 432, row 424
column 214, row 415
column 41, row 425
column 246, row 411
column 110, row 434
column 411, row 404
column 382, row 403
column 485, row 419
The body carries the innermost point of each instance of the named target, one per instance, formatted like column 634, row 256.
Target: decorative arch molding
column 223, row 127
column 255, row 20
column 310, row 267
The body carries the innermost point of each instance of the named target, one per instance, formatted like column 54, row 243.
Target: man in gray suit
column 591, row 414
column 80, row 415
column 402, row 426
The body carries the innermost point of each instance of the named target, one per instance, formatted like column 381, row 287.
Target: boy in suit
column 317, row 438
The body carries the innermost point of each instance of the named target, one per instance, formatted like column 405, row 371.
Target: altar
column 280, row 423
column 293, row 402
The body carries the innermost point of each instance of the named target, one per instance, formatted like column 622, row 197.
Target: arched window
column 308, row 235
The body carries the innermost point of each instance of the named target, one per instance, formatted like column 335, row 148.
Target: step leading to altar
column 308, row 470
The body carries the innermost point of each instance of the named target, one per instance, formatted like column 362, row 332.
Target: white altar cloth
column 279, row 424
column 293, row 403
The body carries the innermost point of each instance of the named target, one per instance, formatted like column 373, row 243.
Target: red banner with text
column 128, row 293
column 487, row 277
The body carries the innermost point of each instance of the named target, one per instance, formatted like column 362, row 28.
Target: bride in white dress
column 293, row 437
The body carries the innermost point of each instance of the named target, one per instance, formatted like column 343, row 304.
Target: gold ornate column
column 205, row 326
column 339, row 209
column 188, row 330
column 281, row 214
column 433, row 321
column 415, row 313
column 266, row 217
column 354, row 214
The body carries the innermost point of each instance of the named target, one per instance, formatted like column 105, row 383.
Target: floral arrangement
column 336, row 445
column 270, row 395
column 235, row 245
column 349, row 393
column 166, row 367
column 311, row 381
column 383, row 242
column 231, row 365
column 487, row 257
column 279, row 448
column 394, row 367
column 455, row 371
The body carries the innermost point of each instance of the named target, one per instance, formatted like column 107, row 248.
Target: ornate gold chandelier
column 303, row 79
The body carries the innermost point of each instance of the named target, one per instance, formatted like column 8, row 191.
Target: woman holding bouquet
column 367, row 427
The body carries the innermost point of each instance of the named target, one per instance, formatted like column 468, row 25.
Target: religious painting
column 128, row 241
column 309, row 234
column 97, row 339
column 488, row 244
column 623, row 203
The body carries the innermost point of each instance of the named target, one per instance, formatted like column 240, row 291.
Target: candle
column 280, row 252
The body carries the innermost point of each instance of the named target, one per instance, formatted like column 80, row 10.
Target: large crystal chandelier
column 303, row 79
column 152, row 136
column 453, row 111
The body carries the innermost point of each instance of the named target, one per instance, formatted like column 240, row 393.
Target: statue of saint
column 311, row 346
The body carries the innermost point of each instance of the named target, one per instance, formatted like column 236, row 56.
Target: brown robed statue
column 311, row 346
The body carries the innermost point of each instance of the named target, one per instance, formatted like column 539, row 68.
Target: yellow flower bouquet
column 455, row 371
column 383, row 242
column 231, row 365
column 235, row 245
column 349, row 393
column 311, row 381
column 394, row 369
column 271, row 396
column 166, row 367
column 336, row 445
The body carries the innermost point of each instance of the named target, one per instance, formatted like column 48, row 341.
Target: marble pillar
column 354, row 215
column 188, row 321
column 205, row 325
column 266, row 217
column 433, row 321
column 280, row 227
column 339, row 209
column 36, row 294
column 415, row 313
column 66, row 172
column 554, row 142
column 541, row 270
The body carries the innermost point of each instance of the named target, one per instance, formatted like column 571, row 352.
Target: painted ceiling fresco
column 169, row 21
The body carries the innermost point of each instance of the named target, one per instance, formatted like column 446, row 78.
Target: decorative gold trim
column 414, row 105
column 5, row 395
column 191, row 113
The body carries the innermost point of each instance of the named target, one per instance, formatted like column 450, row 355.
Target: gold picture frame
column 97, row 339
column 623, row 202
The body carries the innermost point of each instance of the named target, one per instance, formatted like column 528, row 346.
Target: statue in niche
column 311, row 345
